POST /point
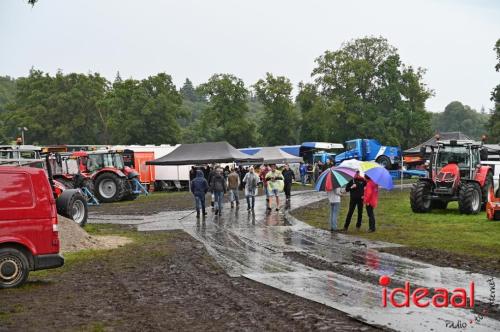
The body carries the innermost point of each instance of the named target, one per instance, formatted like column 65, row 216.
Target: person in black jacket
column 288, row 177
column 356, row 188
column 199, row 187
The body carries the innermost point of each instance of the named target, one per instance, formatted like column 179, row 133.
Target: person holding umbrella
column 356, row 188
column 371, row 201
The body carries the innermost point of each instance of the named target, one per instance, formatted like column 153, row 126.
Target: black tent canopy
column 433, row 141
column 204, row 153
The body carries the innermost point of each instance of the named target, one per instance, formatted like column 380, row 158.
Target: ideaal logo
column 460, row 298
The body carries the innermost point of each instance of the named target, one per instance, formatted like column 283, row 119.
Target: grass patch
column 446, row 230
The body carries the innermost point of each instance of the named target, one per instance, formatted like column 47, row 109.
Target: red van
column 29, row 239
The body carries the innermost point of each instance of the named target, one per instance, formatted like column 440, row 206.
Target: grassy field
column 444, row 230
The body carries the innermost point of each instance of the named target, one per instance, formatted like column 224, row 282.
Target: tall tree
column 459, row 117
column 381, row 97
column 56, row 110
column 280, row 122
column 141, row 112
column 494, row 124
column 226, row 116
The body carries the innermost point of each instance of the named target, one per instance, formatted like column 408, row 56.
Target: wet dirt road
column 337, row 270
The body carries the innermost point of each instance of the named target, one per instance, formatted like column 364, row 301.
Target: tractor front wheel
column 469, row 198
column 110, row 188
column 73, row 205
column 420, row 200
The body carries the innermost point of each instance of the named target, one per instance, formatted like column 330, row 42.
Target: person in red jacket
column 371, row 200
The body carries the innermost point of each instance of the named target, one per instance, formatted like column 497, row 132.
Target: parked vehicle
column 371, row 150
column 29, row 239
column 456, row 174
column 113, row 181
column 71, row 203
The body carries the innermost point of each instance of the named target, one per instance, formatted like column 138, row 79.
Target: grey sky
column 453, row 40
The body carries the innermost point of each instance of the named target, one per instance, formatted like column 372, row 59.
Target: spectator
column 371, row 201
column 289, row 177
column 199, row 187
column 303, row 173
column 356, row 187
column 262, row 174
column 218, row 188
column 233, row 184
column 334, row 198
column 250, row 181
column 274, row 180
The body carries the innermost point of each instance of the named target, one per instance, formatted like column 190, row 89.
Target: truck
column 371, row 150
column 29, row 239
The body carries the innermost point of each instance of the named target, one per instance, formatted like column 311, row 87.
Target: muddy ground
column 162, row 281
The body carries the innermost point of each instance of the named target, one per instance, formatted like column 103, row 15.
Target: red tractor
column 455, row 174
column 113, row 181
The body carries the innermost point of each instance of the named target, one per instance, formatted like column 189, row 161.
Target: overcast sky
column 453, row 40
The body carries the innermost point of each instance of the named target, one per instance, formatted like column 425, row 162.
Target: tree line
column 362, row 90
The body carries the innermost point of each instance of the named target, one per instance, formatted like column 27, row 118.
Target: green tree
column 494, row 123
column 56, row 110
column 141, row 112
column 459, row 117
column 379, row 96
column 280, row 122
column 226, row 117
column 7, row 91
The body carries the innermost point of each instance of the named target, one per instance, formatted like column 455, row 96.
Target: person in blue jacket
column 199, row 187
column 303, row 173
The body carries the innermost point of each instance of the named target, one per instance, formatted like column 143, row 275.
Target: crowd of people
column 220, row 181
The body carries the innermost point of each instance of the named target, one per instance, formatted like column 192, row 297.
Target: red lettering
column 384, row 297
column 441, row 293
column 419, row 294
column 460, row 295
column 405, row 291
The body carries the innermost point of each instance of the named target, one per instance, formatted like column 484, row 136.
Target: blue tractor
column 371, row 150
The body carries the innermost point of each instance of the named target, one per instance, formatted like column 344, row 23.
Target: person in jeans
column 233, row 184
column 199, row 187
column 289, row 177
column 218, row 188
column 303, row 173
column 371, row 201
column 262, row 175
column 334, row 199
column 251, row 180
column 356, row 188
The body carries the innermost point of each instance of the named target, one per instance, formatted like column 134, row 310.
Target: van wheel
column 14, row 268
column 73, row 205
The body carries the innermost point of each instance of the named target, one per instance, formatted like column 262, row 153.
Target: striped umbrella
column 334, row 177
column 375, row 171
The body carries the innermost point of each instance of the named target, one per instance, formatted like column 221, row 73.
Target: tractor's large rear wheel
column 110, row 188
column 485, row 190
column 469, row 198
column 420, row 200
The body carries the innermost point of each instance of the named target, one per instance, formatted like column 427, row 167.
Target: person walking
column 356, row 188
column 371, row 201
column 303, row 173
column 199, row 187
column 262, row 175
column 275, row 185
column 233, row 184
column 334, row 199
column 251, row 180
column 218, row 188
column 289, row 177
